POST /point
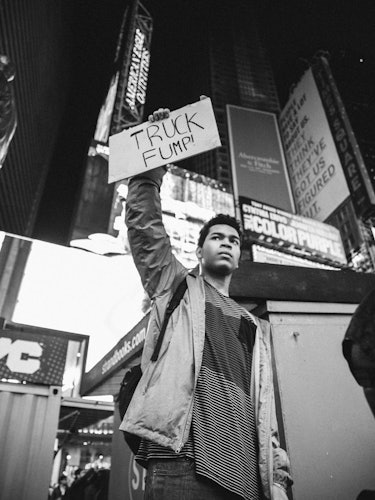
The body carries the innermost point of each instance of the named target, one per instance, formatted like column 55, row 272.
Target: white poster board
column 187, row 131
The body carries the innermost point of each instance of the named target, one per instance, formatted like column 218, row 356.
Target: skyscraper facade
column 234, row 69
column 31, row 36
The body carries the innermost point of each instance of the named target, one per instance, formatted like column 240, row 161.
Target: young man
column 205, row 409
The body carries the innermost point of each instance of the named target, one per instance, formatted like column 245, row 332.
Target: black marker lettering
column 166, row 158
column 177, row 145
column 186, row 140
column 190, row 121
column 175, row 124
column 135, row 135
column 150, row 137
column 148, row 157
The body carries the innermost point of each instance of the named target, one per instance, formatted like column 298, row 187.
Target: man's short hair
column 226, row 219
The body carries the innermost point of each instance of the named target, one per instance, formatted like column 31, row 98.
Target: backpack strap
column 174, row 302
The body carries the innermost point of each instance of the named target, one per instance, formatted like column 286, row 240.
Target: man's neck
column 221, row 283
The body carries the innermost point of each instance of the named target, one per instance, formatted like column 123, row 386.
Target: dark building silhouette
column 215, row 50
column 62, row 55
column 232, row 68
column 31, row 36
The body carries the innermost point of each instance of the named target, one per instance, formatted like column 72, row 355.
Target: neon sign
column 138, row 72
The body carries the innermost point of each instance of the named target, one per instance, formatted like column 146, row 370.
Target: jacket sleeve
column 281, row 463
column 149, row 242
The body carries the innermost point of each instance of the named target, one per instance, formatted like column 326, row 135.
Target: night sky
column 293, row 32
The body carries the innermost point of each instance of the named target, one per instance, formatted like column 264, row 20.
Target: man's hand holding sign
column 179, row 134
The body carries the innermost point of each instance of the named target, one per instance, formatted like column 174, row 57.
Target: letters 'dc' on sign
column 187, row 132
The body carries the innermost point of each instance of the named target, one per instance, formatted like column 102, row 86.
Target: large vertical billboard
column 123, row 106
column 358, row 179
column 133, row 61
column 318, row 181
column 257, row 158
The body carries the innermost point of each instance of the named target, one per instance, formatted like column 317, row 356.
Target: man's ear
column 198, row 253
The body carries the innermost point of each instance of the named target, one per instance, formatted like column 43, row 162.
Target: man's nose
column 226, row 243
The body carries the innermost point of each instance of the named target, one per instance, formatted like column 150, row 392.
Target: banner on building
column 125, row 349
column 357, row 177
column 188, row 131
column 32, row 358
column 132, row 62
column 264, row 223
column 257, row 158
column 271, row 256
column 318, row 181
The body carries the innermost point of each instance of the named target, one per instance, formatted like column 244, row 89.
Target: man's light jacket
column 162, row 405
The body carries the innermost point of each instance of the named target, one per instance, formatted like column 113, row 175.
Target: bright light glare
column 80, row 292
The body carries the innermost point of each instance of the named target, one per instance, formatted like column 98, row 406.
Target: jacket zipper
column 180, row 446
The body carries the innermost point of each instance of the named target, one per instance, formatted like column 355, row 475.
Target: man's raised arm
column 149, row 242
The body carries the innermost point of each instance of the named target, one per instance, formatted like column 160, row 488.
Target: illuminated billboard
column 103, row 124
column 124, row 103
column 264, row 223
column 188, row 200
column 26, row 357
column 358, row 179
column 138, row 71
column 33, row 355
column 271, row 256
column 318, row 181
column 76, row 291
column 257, row 158
column 132, row 61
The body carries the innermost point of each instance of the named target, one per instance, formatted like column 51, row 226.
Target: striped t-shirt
column 222, row 439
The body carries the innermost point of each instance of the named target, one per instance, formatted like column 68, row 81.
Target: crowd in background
column 90, row 484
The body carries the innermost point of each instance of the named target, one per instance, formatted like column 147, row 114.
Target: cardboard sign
column 187, row 131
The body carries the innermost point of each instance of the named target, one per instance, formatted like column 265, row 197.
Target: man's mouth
column 225, row 254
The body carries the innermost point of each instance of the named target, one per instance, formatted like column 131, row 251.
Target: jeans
column 175, row 479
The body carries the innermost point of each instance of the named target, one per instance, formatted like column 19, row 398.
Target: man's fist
column 160, row 114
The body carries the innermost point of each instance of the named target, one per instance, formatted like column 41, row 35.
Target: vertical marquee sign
column 357, row 177
column 133, row 61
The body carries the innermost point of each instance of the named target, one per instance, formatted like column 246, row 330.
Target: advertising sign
column 105, row 115
column 264, row 222
column 132, row 62
column 271, row 256
column 126, row 348
column 357, row 176
column 32, row 358
column 258, row 164
column 315, row 170
column 188, row 131
column 138, row 71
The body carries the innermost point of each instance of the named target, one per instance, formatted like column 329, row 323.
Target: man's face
column 220, row 252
